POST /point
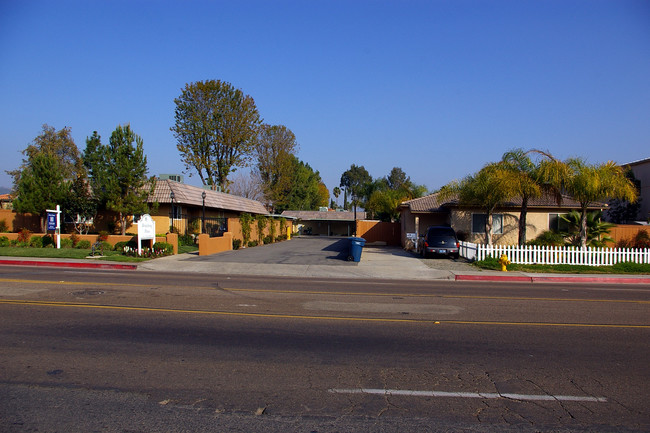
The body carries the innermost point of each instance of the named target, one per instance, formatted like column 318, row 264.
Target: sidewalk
column 376, row 263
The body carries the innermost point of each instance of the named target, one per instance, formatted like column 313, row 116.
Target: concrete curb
column 68, row 264
column 558, row 279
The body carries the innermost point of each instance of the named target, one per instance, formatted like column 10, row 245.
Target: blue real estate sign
column 51, row 221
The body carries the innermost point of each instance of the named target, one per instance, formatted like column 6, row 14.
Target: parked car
column 439, row 240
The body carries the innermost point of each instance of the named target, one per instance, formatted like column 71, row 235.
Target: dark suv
column 439, row 240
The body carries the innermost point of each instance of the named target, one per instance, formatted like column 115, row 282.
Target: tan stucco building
column 469, row 223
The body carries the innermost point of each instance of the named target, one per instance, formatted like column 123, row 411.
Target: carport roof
column 313, row 215
column 192, row 195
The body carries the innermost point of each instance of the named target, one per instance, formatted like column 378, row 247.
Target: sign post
column 54, row 223
column 146, row 230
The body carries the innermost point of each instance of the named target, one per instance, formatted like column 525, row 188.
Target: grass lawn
column 64, row 253
column 182, row 249
column 619, row 268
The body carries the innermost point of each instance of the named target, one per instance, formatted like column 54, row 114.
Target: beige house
column 641, row 170
column 543, row 214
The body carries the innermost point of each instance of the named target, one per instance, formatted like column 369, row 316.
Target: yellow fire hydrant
column 503, row 261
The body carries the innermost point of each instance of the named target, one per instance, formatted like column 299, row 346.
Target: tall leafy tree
column 41, row 186
column 118, row 173
column 52, row 163
column 306, row 191
column 58, row 144
column 275, row 150
column 216, row 129
column 356, row 181
column 588, row 183
column 385, row 194
column 397, row 178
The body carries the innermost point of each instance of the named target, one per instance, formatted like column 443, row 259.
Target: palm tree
column 524, row 176
column 486, row 189
column 588, row 184
column 597, row 229
column 337, row 192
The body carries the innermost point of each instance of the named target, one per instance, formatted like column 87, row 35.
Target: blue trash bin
column 356, row 247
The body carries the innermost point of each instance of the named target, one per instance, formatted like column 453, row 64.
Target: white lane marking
column 488, row 395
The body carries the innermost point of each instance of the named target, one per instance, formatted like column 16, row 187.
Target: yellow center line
column 334, row 293
column 309, row 317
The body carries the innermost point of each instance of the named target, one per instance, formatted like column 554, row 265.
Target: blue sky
column 438, row 88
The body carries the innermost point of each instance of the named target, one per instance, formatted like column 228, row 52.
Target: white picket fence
column 540, row 255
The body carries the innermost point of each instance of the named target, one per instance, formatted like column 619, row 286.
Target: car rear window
column 442, row 231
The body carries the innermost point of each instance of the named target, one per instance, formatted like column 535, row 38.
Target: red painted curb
column 517, row 278
column 67, row 264
column 545, row 279
column 610, row 280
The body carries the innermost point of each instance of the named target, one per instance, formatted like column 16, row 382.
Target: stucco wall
column 536, row 223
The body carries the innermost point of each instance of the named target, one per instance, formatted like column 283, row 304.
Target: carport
column 324, row 223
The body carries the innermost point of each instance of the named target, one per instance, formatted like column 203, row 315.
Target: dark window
column 479, row 220
column 556, row 223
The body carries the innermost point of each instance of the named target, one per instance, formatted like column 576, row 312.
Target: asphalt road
column 125, row 351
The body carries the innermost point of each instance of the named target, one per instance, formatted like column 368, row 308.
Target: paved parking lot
column 313, row 250
column 311, row 256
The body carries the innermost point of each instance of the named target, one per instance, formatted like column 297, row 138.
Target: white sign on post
column 146, row 230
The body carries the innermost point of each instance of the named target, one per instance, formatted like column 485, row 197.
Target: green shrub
column 4, row 241
column 163, row 249
column 236, row 244
column 253, row 243
column 281, row 238
column 548, row 238
column 75, row 239
column 3, row 227
column 66, row 243
column 261, row 224
column 48, row 241
column 186, row 240
column 83, row 245
column 36, row 242
column 120, row 245
column 267, row 240
column 245, row 220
